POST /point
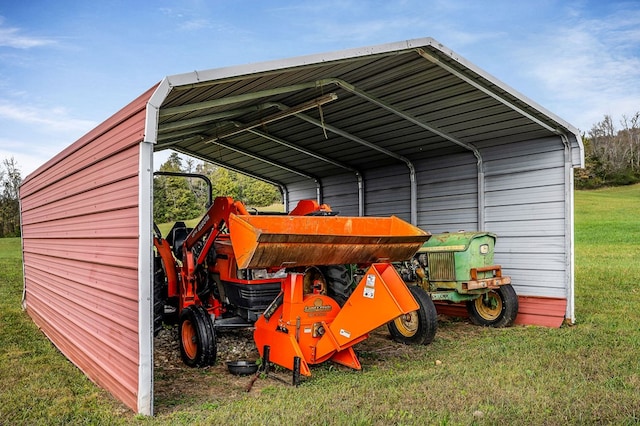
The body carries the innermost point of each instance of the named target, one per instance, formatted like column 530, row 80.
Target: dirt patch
column 177, row 385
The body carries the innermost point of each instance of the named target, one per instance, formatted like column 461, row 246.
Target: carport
column 409, row 129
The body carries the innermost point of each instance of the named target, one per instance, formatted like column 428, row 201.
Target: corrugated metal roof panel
column 413, row 80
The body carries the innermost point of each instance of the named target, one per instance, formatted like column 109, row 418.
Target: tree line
column 186, row 198
column 612, row 155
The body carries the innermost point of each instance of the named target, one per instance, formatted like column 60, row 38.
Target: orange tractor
column 284, row 275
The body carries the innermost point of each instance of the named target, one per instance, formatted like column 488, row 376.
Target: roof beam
column 321, row 158
column 249, row 154
column 347, row 135
column 259, row 158
column 174, row 137
column 445, row 135
column 407, row 116
column 227, row 100
column 484, row 90
column 173, row 125
column 297, row 111
column 284, row 113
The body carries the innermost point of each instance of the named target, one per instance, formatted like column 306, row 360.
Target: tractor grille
column 442, row 266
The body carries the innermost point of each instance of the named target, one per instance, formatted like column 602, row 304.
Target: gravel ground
column 176, row 384
column 232, row 345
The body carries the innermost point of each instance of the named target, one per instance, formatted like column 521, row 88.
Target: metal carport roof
column 312, row 117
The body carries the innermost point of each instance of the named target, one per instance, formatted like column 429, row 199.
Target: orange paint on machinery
column 236, row 269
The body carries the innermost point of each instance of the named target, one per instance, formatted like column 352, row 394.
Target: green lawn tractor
column 458, row 267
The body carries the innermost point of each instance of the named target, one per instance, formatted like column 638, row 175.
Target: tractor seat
column 176, row 238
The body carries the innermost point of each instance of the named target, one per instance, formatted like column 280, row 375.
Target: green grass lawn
column 582, row 374
column 37, row 384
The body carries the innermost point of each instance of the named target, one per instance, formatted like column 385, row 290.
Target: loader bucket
column 289, row 241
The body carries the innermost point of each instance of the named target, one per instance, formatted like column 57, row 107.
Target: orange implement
column 289, row 241
column 313, row 328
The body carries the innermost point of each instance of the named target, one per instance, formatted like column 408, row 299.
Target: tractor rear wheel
column 197, row 337
column 159, row 294
column 498, row 308
column 338, row 282
column 417, row 327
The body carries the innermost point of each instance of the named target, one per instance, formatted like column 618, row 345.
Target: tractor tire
column 417, row 327
column 159, row 295
column 197, row 337
column 498, row 308
column 338, row 280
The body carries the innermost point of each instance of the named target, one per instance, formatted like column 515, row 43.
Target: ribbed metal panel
column 542, row 311
column 80, row 239
column 304, row 189
column 448, row 193
column 525, row 206
column 341, row 193
column 387, row 190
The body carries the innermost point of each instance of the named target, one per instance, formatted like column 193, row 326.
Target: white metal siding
column 301, row 190
column 448, row 193
column 341, row 193
column 525, row 206
column 388, row 192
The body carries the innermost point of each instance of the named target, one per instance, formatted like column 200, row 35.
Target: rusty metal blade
column 287, row 241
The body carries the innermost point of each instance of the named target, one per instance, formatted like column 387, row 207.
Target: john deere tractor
column 458, row 268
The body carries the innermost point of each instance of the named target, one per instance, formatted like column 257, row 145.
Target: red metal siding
column 80, row 232
column 543, row 311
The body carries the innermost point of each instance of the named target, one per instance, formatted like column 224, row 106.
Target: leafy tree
column 10, row 181
column 612, row 157
column 225, row 184
column 173, row 198
column 182, row 198
column 258, row 193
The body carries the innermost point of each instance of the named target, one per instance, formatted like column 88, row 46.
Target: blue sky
column 66, row 66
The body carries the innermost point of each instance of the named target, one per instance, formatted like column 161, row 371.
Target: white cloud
column 13, row 37
column 32, row 135
column 191, row 20
column 587, row 68
column 50, row 119
column 195, row 24
column 28, row 157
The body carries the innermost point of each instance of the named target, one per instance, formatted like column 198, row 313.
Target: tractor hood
column 458, row 241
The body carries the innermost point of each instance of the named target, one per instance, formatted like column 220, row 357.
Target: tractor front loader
column 278, row 273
